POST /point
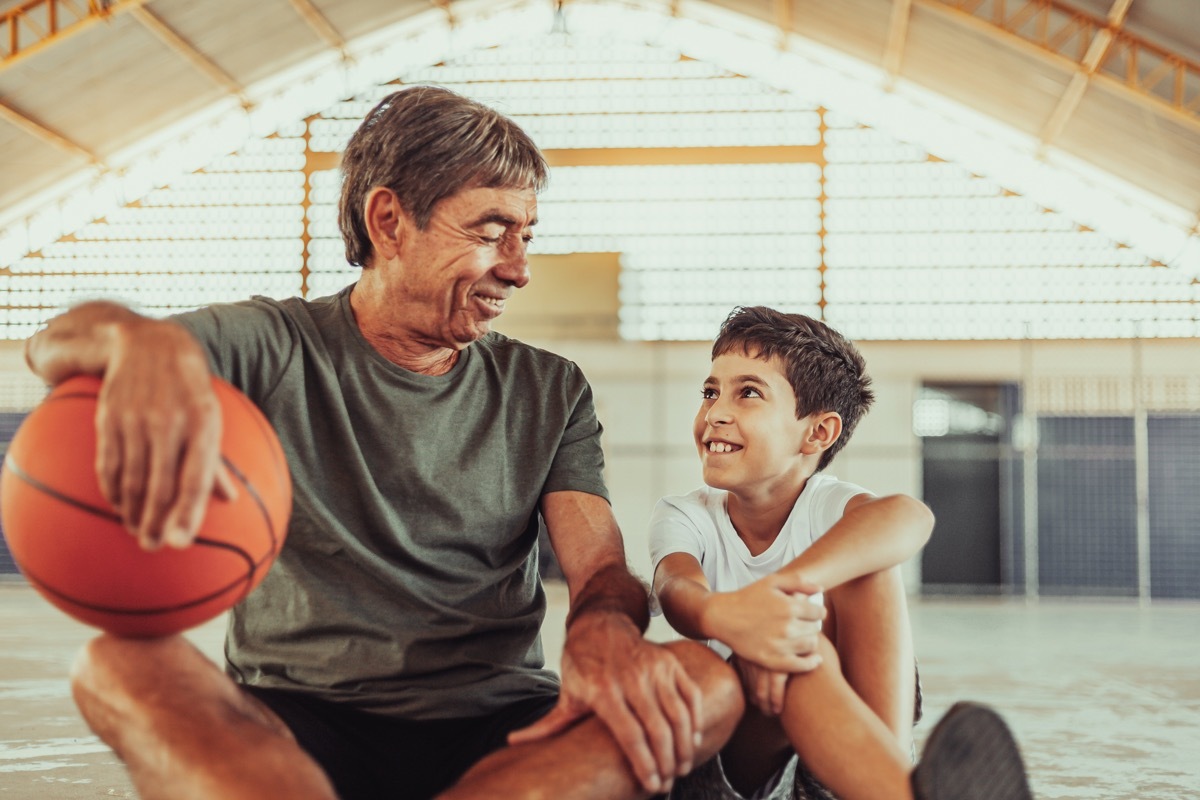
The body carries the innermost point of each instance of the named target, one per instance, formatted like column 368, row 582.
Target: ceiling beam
column 320, row 25
column 893, row 55
column 47, row 134
column 188, row 51
column 785, row 20
column 1097, row 50
column 657, row 156
column 1075, row 30
column 444, row 5
column 35, row 25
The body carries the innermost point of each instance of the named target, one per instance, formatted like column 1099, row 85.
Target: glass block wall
column 717, row 190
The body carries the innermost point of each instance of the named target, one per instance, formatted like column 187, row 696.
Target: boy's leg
column 839, row 738
column 873, row 637
column 585, row 761
column 185, row 730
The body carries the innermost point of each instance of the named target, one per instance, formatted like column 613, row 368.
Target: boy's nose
column 718, row 414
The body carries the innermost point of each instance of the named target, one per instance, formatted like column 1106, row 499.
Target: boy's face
column 746, row 430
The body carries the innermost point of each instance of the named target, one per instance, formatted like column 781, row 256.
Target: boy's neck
column 758, row 517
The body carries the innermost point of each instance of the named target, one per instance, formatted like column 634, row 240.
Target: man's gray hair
column 426, row 143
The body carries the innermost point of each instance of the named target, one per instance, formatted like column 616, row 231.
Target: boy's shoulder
column 702, row 501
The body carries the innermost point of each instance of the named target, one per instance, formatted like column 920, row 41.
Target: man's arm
column 158, row 422
column 639, row 690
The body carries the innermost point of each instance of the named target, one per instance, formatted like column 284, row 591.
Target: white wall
column 648, row 393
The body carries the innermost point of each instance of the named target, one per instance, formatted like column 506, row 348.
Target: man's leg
column 185, row 730
column 873, row 636
column 585, row 762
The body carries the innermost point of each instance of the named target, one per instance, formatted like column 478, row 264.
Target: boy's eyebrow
column 738, row 379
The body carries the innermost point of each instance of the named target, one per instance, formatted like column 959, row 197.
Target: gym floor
column 1104, row 697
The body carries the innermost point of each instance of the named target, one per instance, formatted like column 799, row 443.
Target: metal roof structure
column 1113, row 83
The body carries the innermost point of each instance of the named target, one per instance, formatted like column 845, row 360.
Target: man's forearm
column 81, row 341
column 612, row 590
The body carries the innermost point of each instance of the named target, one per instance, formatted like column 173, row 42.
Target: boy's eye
column 750, row 391
column 708, row 394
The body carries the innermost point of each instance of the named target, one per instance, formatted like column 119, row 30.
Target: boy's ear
column 824, row 429
column 385, row 221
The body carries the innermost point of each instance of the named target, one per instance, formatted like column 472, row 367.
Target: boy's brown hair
column 824, row 368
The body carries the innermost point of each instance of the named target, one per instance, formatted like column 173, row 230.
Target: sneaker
column 971, row 755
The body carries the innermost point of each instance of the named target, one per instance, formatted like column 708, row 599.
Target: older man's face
column 455, row 276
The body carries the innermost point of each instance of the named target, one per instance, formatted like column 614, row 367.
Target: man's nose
column 514, row 264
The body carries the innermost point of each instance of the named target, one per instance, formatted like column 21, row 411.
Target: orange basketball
column 71, row 545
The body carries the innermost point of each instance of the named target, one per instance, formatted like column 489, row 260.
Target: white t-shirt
column 698, row 524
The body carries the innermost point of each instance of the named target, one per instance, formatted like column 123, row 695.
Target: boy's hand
column 763, row 687
column 771, row 622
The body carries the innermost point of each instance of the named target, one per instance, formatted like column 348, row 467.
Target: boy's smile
column 746, row 431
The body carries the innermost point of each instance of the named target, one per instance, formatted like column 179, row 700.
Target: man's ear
column 386, row 222
column 823, row 430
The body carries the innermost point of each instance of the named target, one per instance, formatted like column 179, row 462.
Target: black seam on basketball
column 268, row 433
column 132, row 612
column 103, row 513
column 237, row 473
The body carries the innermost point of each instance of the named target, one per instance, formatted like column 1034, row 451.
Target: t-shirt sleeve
column 578, row 463
column 671, row 531
column 248, row 343
column 829, row 504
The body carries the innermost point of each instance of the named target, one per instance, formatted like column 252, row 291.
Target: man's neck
column 411, row 355
column 392, row 340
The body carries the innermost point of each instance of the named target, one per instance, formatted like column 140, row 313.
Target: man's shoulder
column 514, row 353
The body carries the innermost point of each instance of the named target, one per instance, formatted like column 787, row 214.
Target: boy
column 794, row 576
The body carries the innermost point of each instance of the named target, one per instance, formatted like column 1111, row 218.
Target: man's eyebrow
column 498, row 218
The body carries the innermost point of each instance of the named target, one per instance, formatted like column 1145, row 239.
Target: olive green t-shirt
column 408, row 583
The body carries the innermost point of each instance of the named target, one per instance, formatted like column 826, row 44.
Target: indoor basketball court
column 998, row 202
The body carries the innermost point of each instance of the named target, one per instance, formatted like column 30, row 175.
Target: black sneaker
column 971, row 755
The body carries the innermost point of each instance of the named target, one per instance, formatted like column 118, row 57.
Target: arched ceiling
column 1114, row 83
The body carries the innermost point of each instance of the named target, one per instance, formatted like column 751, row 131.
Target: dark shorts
column 372, row 756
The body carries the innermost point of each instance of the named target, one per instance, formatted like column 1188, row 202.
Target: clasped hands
column 773, row 627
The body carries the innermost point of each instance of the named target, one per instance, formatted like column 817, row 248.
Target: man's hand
column 765, row 688
column 158, row 434
column 638, row 689
column 771, row 622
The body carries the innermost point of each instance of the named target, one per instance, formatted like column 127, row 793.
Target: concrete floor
column 1105, row 698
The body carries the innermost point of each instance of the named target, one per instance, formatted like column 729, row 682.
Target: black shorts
column 369, row 755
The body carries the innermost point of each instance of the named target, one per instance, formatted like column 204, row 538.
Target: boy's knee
column 883, row 588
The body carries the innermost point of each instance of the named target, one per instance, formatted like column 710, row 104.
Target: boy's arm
column 874, row 534
column 770, row 622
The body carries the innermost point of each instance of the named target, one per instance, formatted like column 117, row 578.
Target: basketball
column 72, row 547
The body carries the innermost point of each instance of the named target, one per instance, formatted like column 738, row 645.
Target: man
column 393, row 648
